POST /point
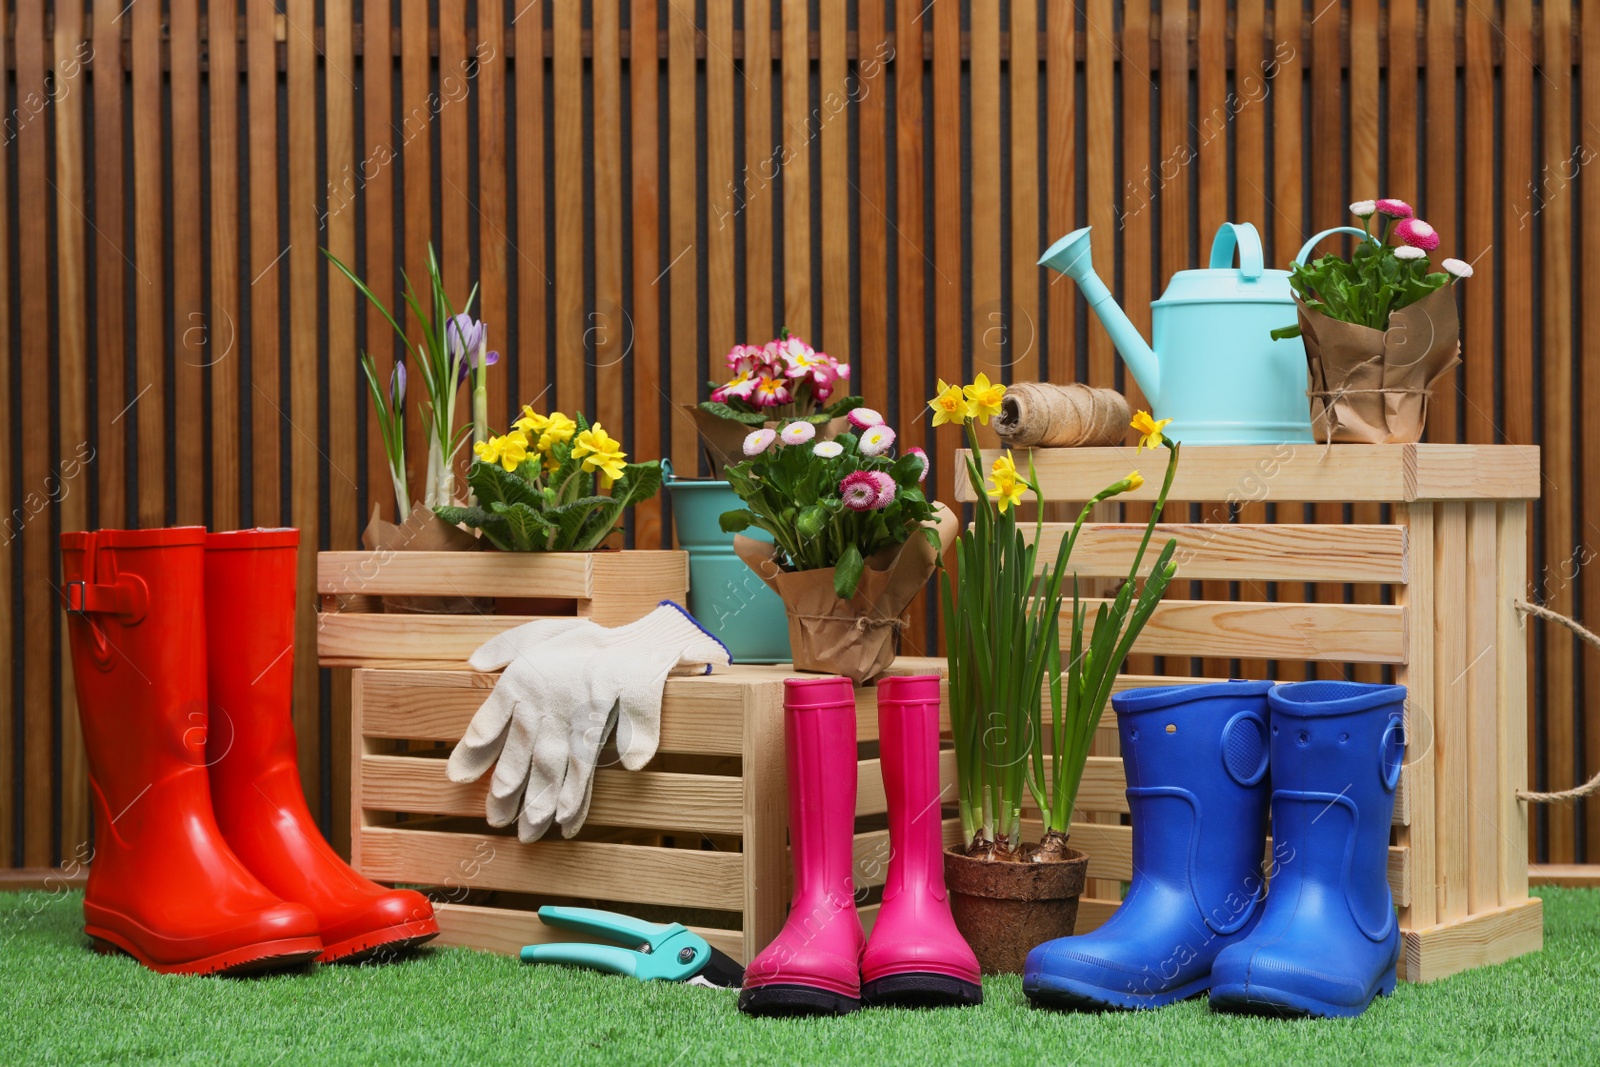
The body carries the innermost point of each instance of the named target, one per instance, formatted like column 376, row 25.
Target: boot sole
column 1263, row 1000
column 385, row 941
column 779, row 1000
column 264, row 956
column 921, row 989
column 1069, row 995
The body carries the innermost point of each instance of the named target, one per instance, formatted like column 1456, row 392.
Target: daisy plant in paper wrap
column 783, row 380
column 551, row 484
column 453, row 347
column 1379, row 277
column 830, row 503
column 1003, row 612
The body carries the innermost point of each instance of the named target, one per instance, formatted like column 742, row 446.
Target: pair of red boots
column 820, row 963
column 206, row 859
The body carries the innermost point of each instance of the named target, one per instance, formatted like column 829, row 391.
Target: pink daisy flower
column 862, row 418
column 758, row 441
column 886, row 488
column 1395, row 209
column 1417, row 234
column 860, row 491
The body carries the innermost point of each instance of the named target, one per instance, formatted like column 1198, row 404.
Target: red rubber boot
column 916, row 957
column 163, row 885
column 813, row 967
column 255, row 776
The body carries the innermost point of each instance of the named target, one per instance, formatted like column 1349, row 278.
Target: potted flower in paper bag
column 1380, row 328
column 1009, row 652
column 854, row 537
column 784, row 380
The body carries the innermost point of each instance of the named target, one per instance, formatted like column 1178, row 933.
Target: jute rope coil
column 1073, row 415
column 1593, row 784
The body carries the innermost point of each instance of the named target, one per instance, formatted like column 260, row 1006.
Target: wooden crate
column 1447, row 569
column 612, row 588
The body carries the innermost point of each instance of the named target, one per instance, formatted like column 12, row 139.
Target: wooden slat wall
column 640, row 185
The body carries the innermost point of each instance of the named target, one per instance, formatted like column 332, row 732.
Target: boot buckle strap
column 127, row 598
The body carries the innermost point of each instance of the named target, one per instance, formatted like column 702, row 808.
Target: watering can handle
column 1241, row 235
column 666, row 470
column 1319, row 238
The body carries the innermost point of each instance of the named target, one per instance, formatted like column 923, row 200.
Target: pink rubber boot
column 813, row 967
column 916, row 957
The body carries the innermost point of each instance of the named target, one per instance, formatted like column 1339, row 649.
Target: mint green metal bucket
column 724, row 593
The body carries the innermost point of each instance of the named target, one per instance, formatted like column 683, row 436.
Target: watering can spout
column 1070, row 256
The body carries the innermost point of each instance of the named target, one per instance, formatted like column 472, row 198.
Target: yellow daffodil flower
column 532, row 423
column 556, row 430
column 1149, row 429
column 984, row 398
column 949, row 405
column 601, row 453
column 1135, row 480
column 1008, row 487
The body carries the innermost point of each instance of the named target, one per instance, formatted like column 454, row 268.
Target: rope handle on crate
column 1593, row 784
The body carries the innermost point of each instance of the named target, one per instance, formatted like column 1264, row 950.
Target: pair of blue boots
column 1198, row 915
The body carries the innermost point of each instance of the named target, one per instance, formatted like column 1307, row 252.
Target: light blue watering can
column 1215, row 370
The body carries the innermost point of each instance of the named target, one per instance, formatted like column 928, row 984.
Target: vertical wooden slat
column 8, row 544
column 1400, row 178
column 265, row 252
column 566, row 87
column 645, row 72
column 1476, row 244
column 1441, row 176
column 344, row 372
column 110, row 262
column 760, row 172
column 1022, row 318
column 380, row 145
column 833, row 214
column 1061, row 181
column 489, row 65
column 1587, row 400
column 304, row 379
column 681, row 269
column 912, row 258
column 1215, row 111
column 988, row 318
column 1512, row 849
column 1177, row 145
column 455, row 194
column 223, row 321
column 414, row 131
column 1556, row 431
column 532, row 280
column 720, row 206
column 1100, row 166
column 149, row 316
column 38, row 598
column 72, row 355
column 796, row 154
column 607, row 333
column 1365, row 19
column 1450, row 753
column 1478, row 695
column 190, row 350
column 1287, row 131
column 1417, row 675
column 946, row 181
column 871, row 364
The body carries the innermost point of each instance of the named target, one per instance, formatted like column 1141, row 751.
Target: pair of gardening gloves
column 567, row 684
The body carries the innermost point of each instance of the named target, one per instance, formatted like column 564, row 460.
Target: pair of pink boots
column 821, row 963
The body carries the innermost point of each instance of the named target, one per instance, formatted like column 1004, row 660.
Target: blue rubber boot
column 1196, row 763
column 1328, row 942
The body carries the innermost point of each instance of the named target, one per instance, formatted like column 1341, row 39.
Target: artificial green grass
column 64, row 1004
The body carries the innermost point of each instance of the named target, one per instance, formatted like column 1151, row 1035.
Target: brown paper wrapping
column 423, row 531
column 1073, row 415
column 855, row 637
column 1372, row 386
column 722, row 440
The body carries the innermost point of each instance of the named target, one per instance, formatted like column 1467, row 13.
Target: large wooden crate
column 612, row 588
column 1430, row 593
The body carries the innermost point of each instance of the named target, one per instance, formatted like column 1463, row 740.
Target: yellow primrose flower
column 508, row 451
column 1135, row 481
column 1008, row 486
column 600, row 452
column 984, row 398
column 532, row 423
column 1149, row 429
column 488, row 451
column 950, row 405
column 557, row 429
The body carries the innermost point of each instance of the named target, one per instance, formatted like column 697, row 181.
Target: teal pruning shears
column 654, row 952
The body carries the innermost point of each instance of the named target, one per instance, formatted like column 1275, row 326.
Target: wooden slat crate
column 1439, row 583
column 612, row 588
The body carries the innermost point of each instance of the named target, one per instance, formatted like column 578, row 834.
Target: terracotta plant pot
column 1005, row 909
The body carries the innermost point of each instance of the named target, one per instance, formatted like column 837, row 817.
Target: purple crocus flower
column 463, row 337
column 397, row 386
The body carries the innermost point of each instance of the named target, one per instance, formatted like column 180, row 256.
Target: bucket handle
column 1319, row 238
column 1243, row 236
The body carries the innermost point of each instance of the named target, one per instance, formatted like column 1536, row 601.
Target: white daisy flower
column 1408, row 252
column 759, row 441
column 1364, row 209
column 827, row 449
column 1458, row 267
column 798, row 433
column 876, row 440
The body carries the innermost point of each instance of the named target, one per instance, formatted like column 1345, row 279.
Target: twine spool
column 1061, row 416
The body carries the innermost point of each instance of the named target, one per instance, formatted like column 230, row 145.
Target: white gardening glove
column 563, row 690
